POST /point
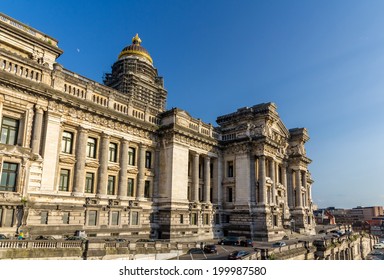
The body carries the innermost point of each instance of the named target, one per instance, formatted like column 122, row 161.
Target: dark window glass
column 131, row 187
column 9, row 131
column 230, row 169
column 131, row 156
column 64, row 180
column 111, row 185
column 9, row 177
column 147, row 189
column 148, row 159
column 112, row 152
column 91, row 148
column 89, row 182
column 67, row 142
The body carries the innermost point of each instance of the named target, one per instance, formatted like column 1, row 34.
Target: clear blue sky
column 321, row 62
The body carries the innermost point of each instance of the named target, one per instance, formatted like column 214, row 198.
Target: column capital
column 124, row 141
column 39, row 109
column 82, row 129
column 105, row 135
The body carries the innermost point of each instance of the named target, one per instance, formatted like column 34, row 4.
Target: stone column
column 219, row 179
column 273, row 178
column 298, row 188
column 252, row 168
column 207, row 179
column 284, row 182
column 1, row 109
column 103, row 168
column 141, row 175
column 37, row 128
column 307, row 200
column 195, row 178
column 262, row 187
column 123, row 187
column 82, row 138
column 157, row 174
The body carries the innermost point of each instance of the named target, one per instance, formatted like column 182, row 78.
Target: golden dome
column 136, row 50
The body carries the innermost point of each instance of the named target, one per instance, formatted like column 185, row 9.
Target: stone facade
column 111, row 160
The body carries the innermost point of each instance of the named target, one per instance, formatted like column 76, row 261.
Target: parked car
column 246, row 243
column 279, row 244
column 45, row 237
column 2, row 236
column 236, row 255
column 210, row 248
column 378, row 246
column 231, row 240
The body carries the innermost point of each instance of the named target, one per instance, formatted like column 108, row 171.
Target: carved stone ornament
column 67, row 159
column 114, row 168
column 92, row 164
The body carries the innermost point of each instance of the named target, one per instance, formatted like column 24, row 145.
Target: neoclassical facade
column 111, row 160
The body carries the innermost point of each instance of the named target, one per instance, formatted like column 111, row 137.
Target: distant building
column 110, row 159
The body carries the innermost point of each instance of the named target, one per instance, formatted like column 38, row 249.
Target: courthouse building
column 112, row 160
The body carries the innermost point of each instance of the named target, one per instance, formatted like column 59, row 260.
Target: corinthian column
column 103, row 168
column 123, row 168
column 80, row 161
column 207, row 180
column 37, row 127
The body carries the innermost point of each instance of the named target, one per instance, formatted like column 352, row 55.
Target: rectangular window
column 112, row 152
column 211, row 170
column 65, row 218
column 9, row 177
column 131, row 187
column 9, row 131
column 230, row 194
column 193, row 219
column 111, row 185
column 131, row 156
column 229, row 169
column 217, row 219
column 44, row 217
column 67, row 142
column 148, row 159
column 206, row 219
column 135, row 218
column 91, row 148
column 181, row 219
column 89, row 182
column 64, row 180
column 115, row 218
column 274, row 220
column 92, row 218
column 147, row 189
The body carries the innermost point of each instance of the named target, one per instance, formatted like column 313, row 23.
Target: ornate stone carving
column 67, row 159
